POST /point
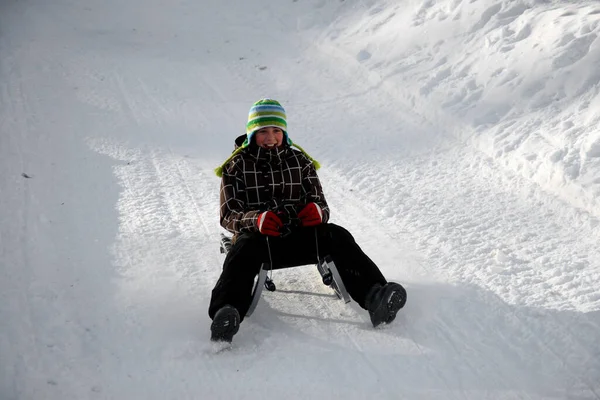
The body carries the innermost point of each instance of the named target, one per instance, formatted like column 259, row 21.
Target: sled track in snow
column 385, row 238
column 565, row 342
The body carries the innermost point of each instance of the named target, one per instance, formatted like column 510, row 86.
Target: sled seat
column 326, row 267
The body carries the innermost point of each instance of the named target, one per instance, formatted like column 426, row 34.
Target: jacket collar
column 274, row 156
column 239, row 148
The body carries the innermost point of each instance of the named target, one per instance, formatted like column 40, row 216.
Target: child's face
column 269, row 138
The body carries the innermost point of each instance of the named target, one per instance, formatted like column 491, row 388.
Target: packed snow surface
column 460, row 144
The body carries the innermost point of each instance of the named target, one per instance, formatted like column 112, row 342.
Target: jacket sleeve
column 234, row 216
column 313, row 192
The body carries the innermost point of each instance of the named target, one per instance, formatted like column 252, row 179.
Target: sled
column 326, row 267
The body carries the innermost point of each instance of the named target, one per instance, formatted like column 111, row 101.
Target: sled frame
column 325, row 266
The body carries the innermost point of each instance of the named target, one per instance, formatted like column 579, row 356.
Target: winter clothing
column 273, row 203
column 269, row 224
column 265, row 113
column 244, row 260
column 226, row 323
column 280, row 180
column 262, row 114
column 311, row 215
column 383, row 302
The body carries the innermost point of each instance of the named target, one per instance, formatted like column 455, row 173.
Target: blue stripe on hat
column 263, row 108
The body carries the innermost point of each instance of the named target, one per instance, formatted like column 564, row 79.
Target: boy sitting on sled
column 272, row 201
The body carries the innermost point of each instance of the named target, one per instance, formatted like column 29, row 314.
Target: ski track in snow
column 110, row 249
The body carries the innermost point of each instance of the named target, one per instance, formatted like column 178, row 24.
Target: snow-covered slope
column 459, row 143
column 519, row 79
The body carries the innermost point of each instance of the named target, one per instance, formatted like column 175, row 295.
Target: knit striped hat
column 265, row 113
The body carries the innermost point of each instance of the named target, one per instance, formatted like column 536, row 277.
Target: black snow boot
column 225, row 324
column 383, row 302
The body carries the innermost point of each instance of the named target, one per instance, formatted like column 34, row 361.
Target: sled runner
column 326, row 267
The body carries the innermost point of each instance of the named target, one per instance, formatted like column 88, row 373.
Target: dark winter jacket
column 281, row 180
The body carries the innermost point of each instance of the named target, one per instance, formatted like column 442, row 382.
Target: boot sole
column 386, row 312
column 225, row 325
column 395, row 303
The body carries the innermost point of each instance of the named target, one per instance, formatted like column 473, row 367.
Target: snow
column 460, row 144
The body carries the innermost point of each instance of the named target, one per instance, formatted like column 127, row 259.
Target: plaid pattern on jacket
column 281, row 180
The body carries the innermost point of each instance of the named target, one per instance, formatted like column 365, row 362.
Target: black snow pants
column 244, row 260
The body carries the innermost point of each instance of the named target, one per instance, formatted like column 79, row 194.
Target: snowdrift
column 518, row 80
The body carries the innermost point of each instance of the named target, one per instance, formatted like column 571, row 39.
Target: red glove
column 269, row 224
column 311, row 215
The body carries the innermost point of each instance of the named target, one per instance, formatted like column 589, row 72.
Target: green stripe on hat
column 263, row 122
column 262, row 113
column 267, row 102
